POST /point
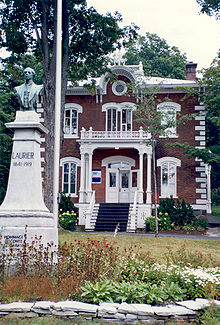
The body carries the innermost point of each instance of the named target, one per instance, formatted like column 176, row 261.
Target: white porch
column 118, row 180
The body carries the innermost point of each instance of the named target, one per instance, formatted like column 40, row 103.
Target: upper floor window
column 118, row 116
column 169, row 111
column 111, row 119
column 71, row 120
column 168, row 175
column 69, row 175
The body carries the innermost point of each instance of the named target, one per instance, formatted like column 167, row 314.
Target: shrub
column 180, row 215
column 68, row 220
column 216, row 196
column 164, row 222
column 66, row 204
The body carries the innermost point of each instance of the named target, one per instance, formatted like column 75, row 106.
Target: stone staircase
column 110, row 214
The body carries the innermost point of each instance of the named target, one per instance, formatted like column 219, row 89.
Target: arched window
column 70, row 127
column 69, row 175
column 168, row 175
column 169, row 110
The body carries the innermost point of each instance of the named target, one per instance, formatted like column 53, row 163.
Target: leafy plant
column 68, row 220
column 66, row 204
column 98, row 292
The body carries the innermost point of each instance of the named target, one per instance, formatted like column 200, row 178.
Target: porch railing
column 90, row 134
column 133, row 213
column 89, row 213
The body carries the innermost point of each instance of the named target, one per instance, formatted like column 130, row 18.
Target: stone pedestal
column 24, row 205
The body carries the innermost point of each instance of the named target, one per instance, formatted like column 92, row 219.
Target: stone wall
column 109, row 312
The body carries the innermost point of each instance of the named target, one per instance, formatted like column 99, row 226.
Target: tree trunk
column 49, row 82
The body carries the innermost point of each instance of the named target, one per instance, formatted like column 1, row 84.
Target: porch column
column 89, row 188
column 141, row 176
column 149, row 192
column 82, row 177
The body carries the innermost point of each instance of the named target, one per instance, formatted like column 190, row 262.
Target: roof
column 134, row 73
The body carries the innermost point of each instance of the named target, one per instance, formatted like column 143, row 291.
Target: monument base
column 39, row 235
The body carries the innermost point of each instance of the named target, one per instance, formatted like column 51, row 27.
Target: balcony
column 107, row 136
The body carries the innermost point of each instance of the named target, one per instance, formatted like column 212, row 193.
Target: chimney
column 191, row 71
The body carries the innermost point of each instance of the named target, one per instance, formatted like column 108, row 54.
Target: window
column 119, row 88
column 71, row 120
column 126, row 119
column 168, row 110
column 69, row 175
column 118, row 113
column 111, row 119
column 168, row 175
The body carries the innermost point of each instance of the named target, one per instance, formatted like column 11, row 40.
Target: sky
column 177, row 21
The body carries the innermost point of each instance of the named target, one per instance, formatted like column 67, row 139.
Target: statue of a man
column 28, row 91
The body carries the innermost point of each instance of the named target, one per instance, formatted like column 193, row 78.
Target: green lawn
column 157, row 246
column 216, row 211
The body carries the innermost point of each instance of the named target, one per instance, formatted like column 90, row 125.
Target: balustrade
column 140, row 134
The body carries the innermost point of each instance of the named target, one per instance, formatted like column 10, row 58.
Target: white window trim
column 77, row 162
column 177, row 163
column 79, row 109
column 118, row 107
column 172, row 106
column 112, row 159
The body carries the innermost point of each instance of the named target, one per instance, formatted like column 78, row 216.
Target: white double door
column 119, row 185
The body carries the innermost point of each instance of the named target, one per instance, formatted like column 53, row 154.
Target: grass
column 216, row 211
column 157, row 246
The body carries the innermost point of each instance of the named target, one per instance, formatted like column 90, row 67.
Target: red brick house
column 106, row 165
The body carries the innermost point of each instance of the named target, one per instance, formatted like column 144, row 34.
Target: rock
column 180, row 310
column 16, row 307
column 127, row 309
column 194, row 305
column 109, row 310
column 143, row 309
column 162, row 311
column 42, row 307
column 75, row 306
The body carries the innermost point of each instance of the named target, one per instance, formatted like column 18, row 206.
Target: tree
column 87, row 36
column 210, row 7
column 154, row 122
column 209, row 93
column 158, row 58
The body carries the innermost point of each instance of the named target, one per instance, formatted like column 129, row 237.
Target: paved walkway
column 211, row 234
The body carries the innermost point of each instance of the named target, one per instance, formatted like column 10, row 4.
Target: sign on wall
column 96, row 176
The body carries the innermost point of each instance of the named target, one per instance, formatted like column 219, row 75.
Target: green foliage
column 68, row 220
column 65, row 203
column 158, row 58
column 136, row 292
column 205, row 154
column 164, row 222
column 210, row 7
column 179, row 215
column 68, row 213
column 98, row 292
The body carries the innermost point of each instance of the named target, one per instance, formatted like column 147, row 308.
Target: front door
column 124, row 186
column 118, row 185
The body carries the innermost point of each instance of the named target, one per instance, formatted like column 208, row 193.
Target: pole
column 57, row 111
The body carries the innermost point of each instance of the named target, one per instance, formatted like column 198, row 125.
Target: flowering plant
column 67, row 220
